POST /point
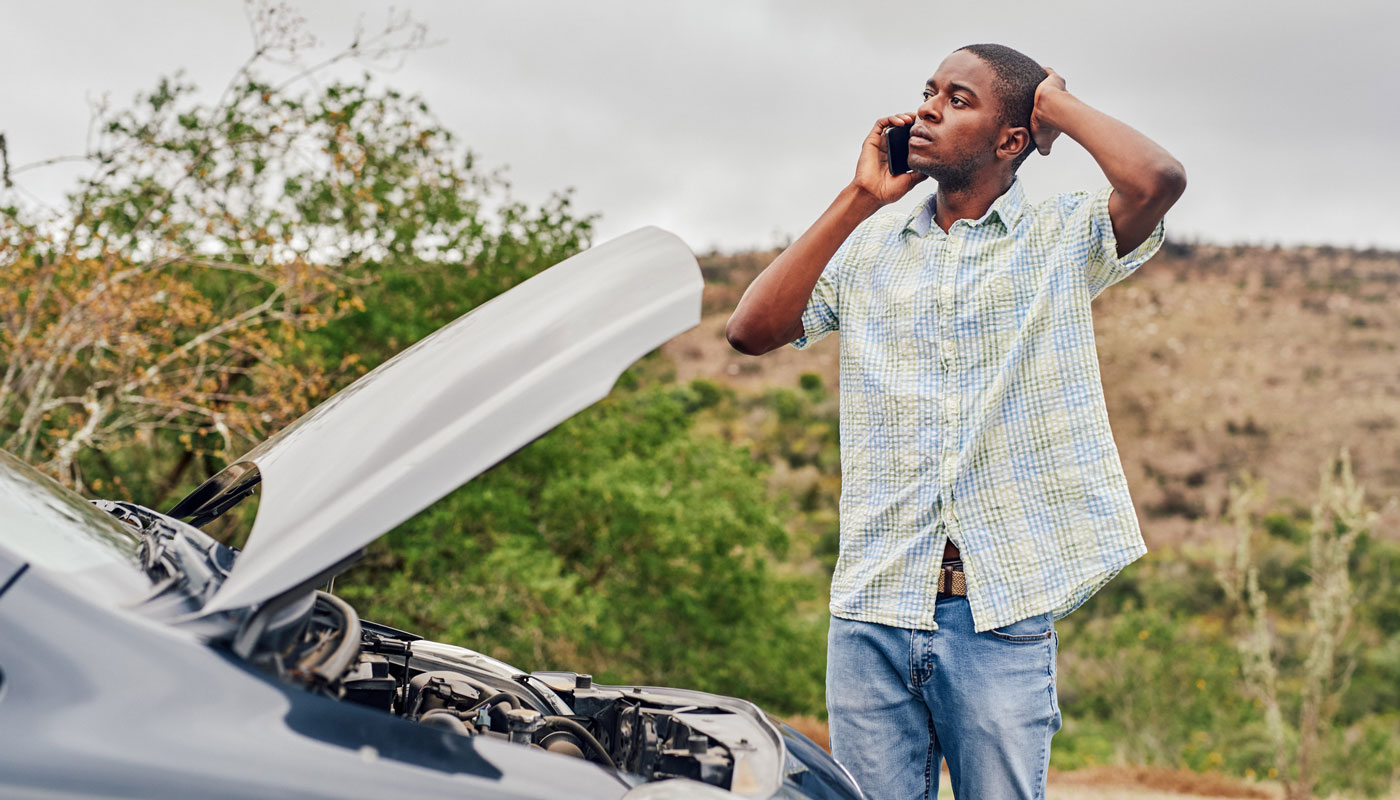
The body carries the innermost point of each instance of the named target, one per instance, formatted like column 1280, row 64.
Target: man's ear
column 1013, row 142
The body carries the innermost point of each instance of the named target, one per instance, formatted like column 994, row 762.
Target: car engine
column 655, row 734
column 317, row 640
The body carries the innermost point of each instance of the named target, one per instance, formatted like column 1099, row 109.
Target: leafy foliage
column 229, row 265
column 618, row 543
column 170, row 305
column 1169, row 665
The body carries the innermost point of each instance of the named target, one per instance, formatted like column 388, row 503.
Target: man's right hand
column 769, row 314
column 873, row 176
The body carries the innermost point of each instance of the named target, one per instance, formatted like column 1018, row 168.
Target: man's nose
column 930, row 111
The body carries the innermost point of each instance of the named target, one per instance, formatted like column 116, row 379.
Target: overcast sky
column 735, row 123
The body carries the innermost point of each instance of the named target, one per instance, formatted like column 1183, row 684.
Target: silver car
column 141, row 658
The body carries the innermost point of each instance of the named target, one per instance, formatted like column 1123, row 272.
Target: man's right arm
column 769, row 315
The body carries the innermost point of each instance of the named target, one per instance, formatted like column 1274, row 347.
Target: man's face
column 955, row 131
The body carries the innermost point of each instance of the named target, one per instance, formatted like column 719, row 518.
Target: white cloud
column 728, row 121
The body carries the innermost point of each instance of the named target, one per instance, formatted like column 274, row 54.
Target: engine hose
column 446, row 720
column 582, row 733
column 495, row 698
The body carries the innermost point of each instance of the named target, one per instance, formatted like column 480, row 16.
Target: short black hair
column 1018, row 75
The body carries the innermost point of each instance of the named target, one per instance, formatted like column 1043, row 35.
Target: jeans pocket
column 1031, row 629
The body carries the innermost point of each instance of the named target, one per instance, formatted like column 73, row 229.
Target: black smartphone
column 897, row 148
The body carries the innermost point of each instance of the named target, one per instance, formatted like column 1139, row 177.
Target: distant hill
column 1215, row 360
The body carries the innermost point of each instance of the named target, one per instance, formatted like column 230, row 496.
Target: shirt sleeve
column 823, row 312
column 1103, row 266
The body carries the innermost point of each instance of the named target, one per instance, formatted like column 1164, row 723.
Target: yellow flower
column 1142, row 634
column 1200, row 683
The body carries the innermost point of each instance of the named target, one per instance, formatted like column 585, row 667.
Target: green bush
column 619, row 544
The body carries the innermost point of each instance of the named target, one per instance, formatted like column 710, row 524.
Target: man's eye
column 927, row 95
column 958, row 101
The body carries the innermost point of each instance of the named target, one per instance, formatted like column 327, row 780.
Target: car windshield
column 54, row 529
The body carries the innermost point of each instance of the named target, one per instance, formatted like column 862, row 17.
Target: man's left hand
column 1042, row 131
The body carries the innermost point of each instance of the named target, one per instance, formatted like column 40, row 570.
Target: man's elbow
column 741, row 338
column 1169, row 181
column 1155, row 189
column 750, row 340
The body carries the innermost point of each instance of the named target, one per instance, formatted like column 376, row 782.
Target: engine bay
column 317, row 641
column 645, row 732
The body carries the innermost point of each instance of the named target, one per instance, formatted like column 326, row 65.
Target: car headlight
column 813, row 771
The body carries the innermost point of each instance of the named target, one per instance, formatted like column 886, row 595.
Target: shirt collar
column 1007, row 208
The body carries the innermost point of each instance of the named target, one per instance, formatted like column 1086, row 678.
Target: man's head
column 976, row 115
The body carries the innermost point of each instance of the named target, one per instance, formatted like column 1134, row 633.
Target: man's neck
column 970, row 202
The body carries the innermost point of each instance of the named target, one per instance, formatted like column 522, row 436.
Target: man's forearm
column 1138, row 168
column 769, row 314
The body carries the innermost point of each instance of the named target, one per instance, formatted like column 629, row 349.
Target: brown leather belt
column 951, row 581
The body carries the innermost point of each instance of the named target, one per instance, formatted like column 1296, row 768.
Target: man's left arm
column 1146, row 179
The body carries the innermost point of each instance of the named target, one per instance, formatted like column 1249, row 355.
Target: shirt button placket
column 948, row 361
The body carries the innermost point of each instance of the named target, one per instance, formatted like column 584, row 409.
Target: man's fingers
column 912, row 178
column 894, row 120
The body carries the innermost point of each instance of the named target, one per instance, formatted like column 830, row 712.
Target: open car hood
column 446, row 409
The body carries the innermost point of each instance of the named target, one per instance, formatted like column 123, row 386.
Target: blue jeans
column 901, row 700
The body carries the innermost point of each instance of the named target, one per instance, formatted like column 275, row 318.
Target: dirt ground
column 1114, row 782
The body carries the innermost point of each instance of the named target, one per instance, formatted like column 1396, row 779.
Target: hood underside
column 448, row 408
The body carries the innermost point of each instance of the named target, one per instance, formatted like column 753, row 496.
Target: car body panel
column 101, row 697
column 108, row 699
column 449, row 407
column 55, row 529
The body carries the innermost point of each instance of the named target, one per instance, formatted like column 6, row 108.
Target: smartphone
column 897, row 148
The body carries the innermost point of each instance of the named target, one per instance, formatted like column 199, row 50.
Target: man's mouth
column 919, row 133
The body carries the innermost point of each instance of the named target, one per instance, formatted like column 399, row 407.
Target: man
column 982, row 495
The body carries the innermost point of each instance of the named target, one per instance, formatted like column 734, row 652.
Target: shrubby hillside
column 1224, row 368
column 1215, row 360
column 229, row 265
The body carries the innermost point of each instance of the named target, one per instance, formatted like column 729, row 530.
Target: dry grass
column 1214, row 360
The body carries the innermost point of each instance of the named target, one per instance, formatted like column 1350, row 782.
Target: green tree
column 620, row 543
column 228, row 265
column 168, row 307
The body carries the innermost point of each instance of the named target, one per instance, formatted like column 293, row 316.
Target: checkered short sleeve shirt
column 972, row 408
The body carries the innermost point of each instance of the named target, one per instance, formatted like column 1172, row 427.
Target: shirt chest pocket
column 907, row 316
column 919, row 317
column 1004, row 297
column 999, row 293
